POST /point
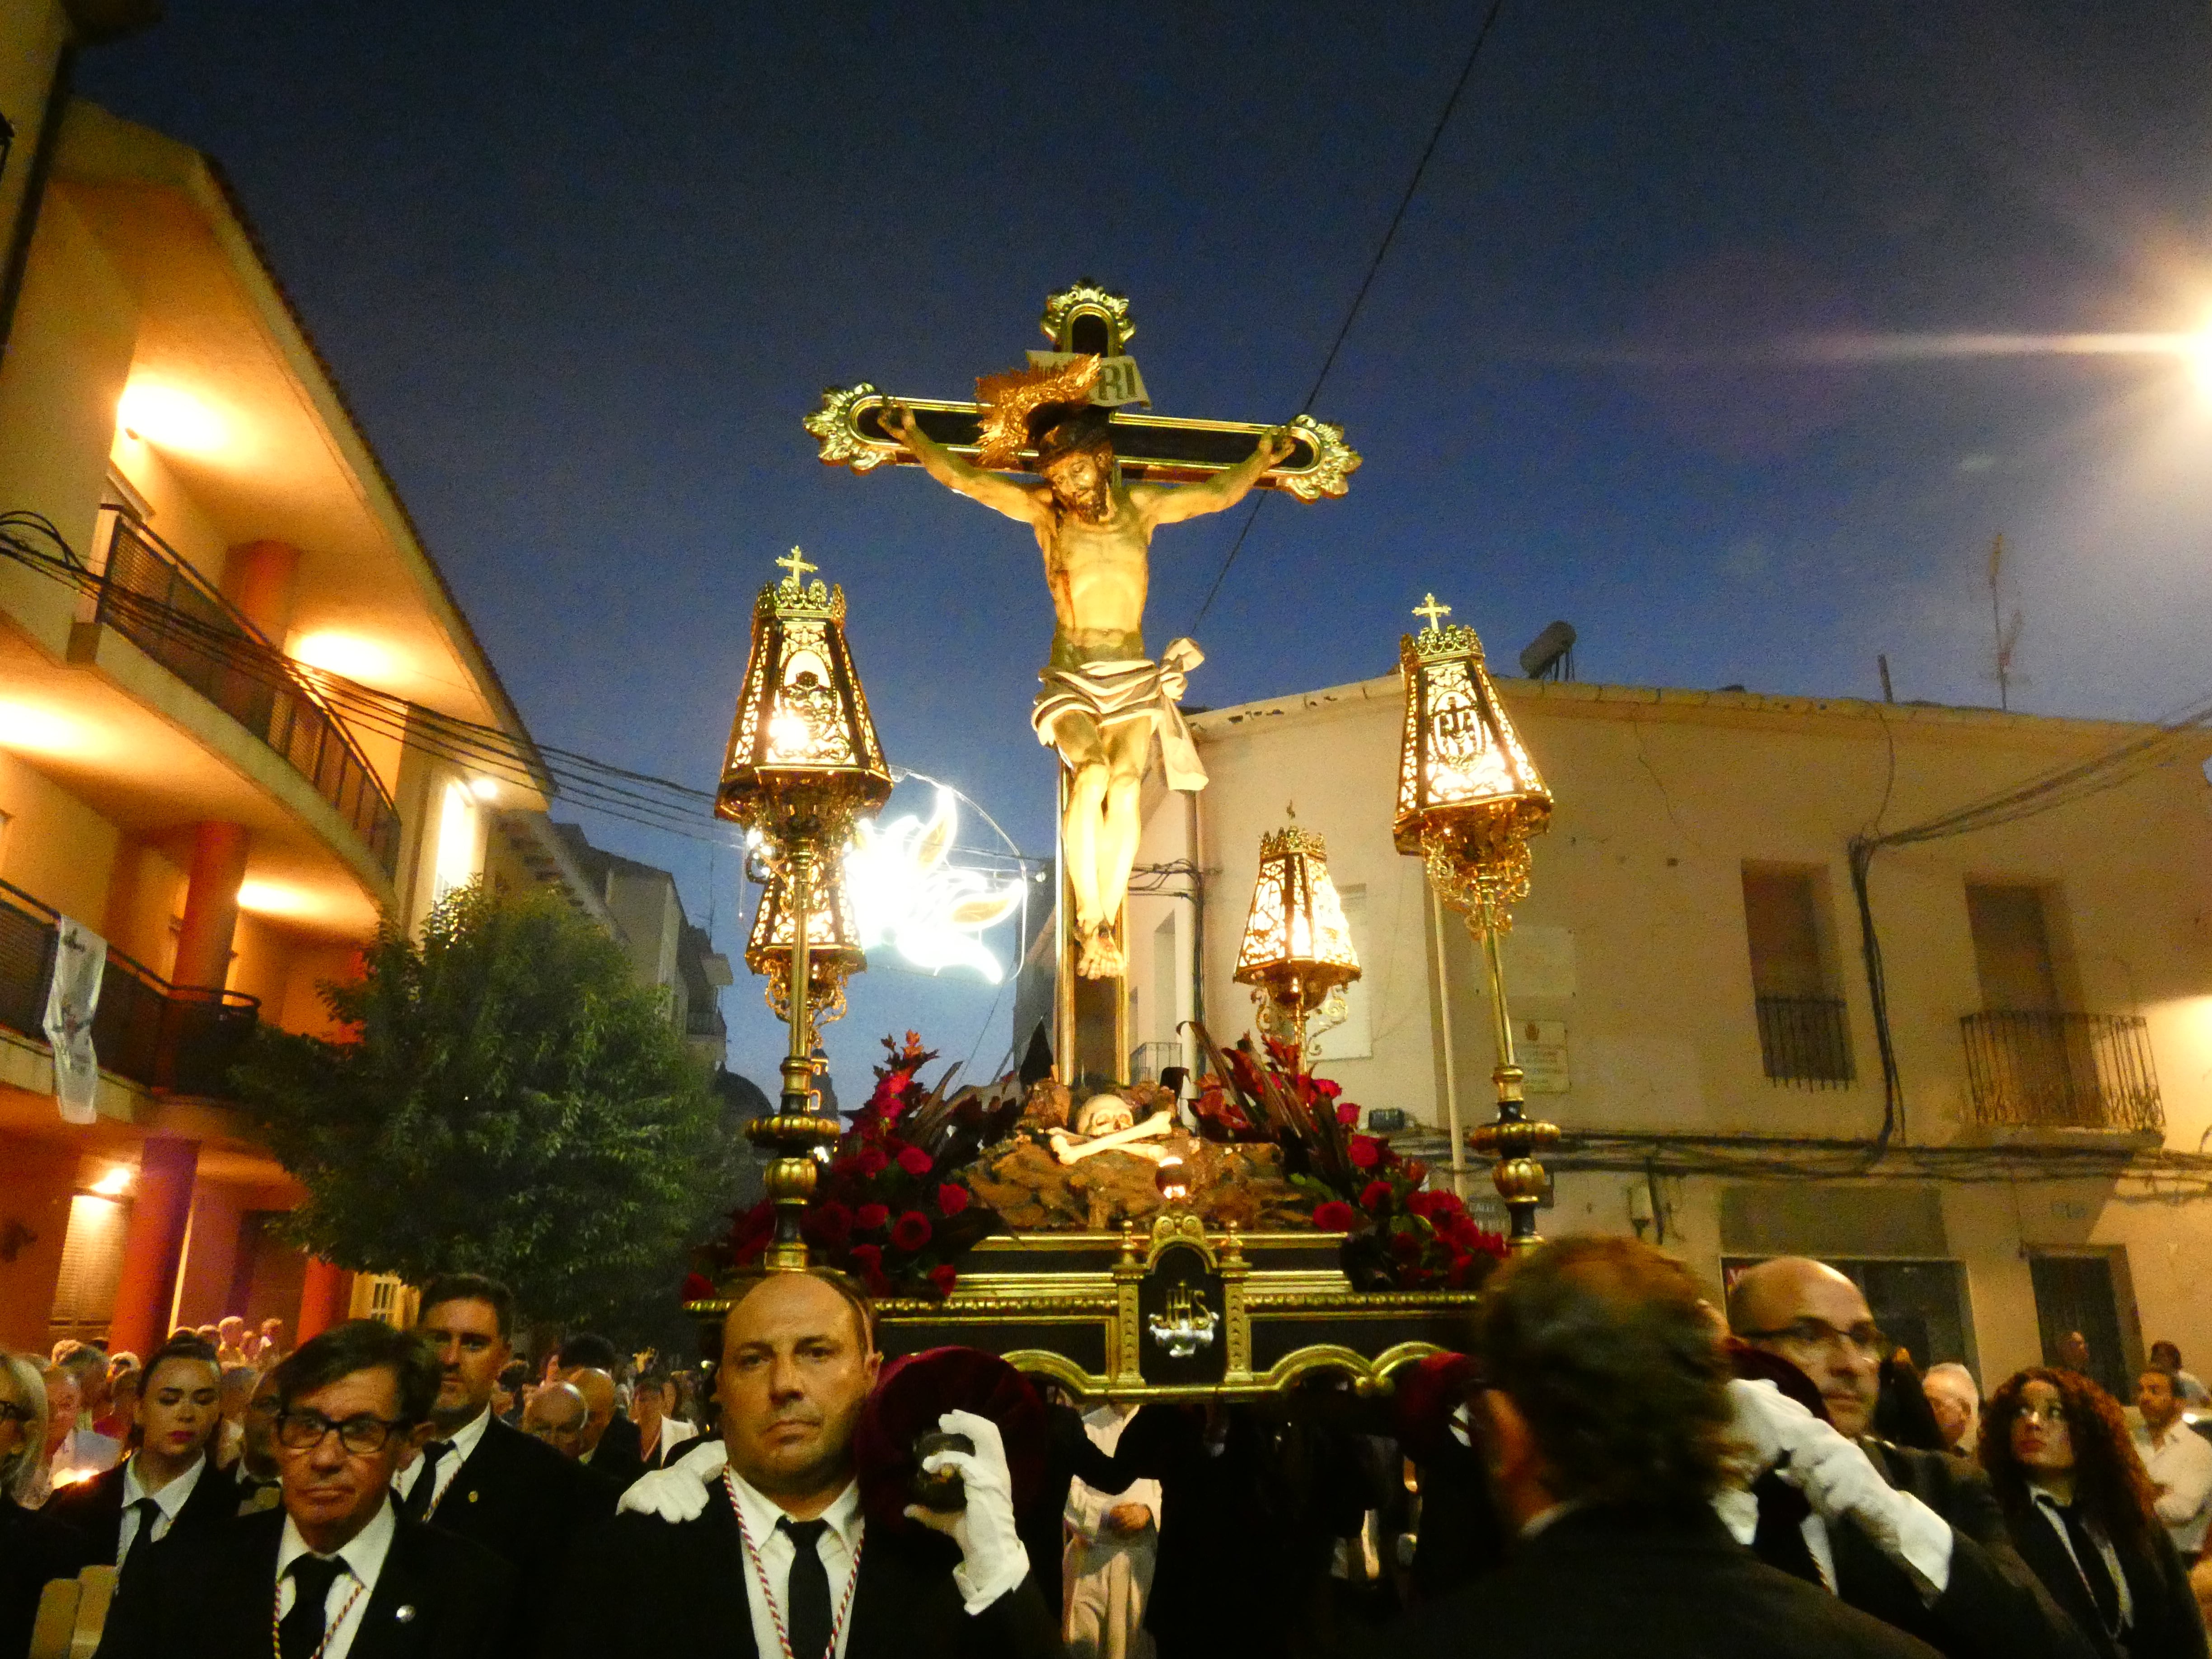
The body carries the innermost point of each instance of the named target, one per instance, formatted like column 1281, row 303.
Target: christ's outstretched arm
column 1000, row 494
column 1172, row 503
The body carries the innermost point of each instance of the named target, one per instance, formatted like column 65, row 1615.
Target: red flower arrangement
column 887, row 1210
column 1400, row 1235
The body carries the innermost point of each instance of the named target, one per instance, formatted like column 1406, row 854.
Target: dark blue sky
column 582, row 268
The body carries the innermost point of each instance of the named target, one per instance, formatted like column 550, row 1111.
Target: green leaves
column 510, row 1101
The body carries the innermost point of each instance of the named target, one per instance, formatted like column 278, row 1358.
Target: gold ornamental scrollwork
column 1334, row 461
column 835, row 427
column 1062, row 308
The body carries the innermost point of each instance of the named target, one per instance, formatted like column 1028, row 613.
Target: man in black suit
column 1915, row 1538
column 338, row 1571
column 477, row 1477
column 775, row 1556
column 613, row 1445
column 1601, row 1429
column 170, row 1484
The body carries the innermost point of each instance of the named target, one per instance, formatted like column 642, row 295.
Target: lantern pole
column 1511, row 1139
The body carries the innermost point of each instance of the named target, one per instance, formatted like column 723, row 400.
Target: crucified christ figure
column 1103, row 698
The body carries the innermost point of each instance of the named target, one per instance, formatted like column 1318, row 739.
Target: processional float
column 1094, row 1229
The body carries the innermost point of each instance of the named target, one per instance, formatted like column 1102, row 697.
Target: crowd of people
column 1615, row 1461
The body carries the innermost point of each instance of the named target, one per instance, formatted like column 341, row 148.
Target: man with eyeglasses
column 170, row 1483
column 339, row 1569
column 1915, row 1538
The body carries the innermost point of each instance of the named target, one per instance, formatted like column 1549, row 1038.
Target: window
column 459, row 856
column 1802, row 1039
column 2012, row 950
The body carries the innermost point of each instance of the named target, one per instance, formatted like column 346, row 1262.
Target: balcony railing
column 153, row 599
column 2061, row 1070
column 178, row 1039
column 1804, row 1041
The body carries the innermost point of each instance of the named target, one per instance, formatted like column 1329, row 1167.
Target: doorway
column 2079, row 1292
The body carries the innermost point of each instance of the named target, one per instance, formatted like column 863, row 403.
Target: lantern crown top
column 1438, row 638
column 795, row 598
column 1292, row 838
column 1086, row 298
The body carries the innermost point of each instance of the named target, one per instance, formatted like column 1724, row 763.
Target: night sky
column 581, row 269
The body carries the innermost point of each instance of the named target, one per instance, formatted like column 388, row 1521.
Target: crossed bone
column 1068, row 1147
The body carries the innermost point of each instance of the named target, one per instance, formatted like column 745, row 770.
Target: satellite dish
column 1551, row 655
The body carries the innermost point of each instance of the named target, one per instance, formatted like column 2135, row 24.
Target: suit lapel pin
column 472, row 1496
column 405, row 1615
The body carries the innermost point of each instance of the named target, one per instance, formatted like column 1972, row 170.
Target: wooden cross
column 848, row 426
column 1432, row 610
column 797, row 565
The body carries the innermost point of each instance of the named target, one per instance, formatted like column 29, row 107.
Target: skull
column 1101, row 1114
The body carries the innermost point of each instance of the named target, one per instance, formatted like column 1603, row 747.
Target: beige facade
column 1692, row 928
column 219, row 632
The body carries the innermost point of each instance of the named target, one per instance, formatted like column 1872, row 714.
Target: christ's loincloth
column 1119, row 690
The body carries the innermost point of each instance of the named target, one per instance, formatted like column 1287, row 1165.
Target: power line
column 1359, row 299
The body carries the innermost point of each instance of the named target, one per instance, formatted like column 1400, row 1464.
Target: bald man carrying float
column 1915, row 1538
column 755, row 1546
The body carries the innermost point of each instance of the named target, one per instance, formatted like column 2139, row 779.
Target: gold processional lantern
column 1296, row 955
column 804, row 766
column 1468, row 800
column 833, row 943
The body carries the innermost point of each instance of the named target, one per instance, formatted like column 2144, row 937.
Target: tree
column 510, row 1101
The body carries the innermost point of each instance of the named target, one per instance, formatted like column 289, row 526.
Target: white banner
column 80, row 964
column 1118, row 383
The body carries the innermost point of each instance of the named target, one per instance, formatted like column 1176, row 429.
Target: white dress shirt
column 464, row 1441
column 839, row 1547
column 1087, row 1509
column 168, row 1502
column 351, row 1589
column 2180, row 1464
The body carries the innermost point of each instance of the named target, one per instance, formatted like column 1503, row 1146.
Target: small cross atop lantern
column 1468, row 799
column 803, row 767
column 1296, row 955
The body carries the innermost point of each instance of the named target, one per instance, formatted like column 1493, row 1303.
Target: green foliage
column 512, row 1102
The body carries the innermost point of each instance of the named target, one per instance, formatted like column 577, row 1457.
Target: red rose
column 910, row 1231
column 952, row 1198
column 915, row 1161
column 1374, row 1196
column 1335, row 1216
column 869, row 1217
column 1347, row 1116
column 868, row 1258
column 872, row 1161
column 1366, row 1151
column 697, row 1288
column 942, row 1277
column 1326, row 1089
column 831, row 1223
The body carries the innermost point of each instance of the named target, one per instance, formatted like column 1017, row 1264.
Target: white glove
column 1767, row 1423
column 1839, row 1480
column 992, row 1558
column 678, row 1492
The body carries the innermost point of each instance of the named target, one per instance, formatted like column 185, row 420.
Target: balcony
column 1803, row 1042
column 2033, row 1070
column 154, row 599
column 172, row 1039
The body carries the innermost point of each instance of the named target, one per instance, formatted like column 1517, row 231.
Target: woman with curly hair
column 2084, row 1515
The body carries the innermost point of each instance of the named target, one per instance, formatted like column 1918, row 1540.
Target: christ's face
column 1082, row 483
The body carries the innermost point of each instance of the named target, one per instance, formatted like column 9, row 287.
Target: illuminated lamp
column 348, row 654
column 803, row 768
column 42, row 731
column 171, row 418
column 274, row 899
column 1468, row 799
column 833, row 943
column 483, row 788
column 1297, row 954
column 113, row 1182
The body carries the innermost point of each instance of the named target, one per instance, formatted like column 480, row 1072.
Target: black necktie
column 807, row 1595
column 2096, row 1574
column 1780, row 1541
column 426, row 1484
column 148, row 1512
column 299, row 1633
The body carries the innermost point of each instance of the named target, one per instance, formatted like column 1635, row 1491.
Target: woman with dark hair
column 2084, row 1515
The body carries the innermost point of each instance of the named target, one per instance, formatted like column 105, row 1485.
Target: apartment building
column 220, row 634
column 1690, row 995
